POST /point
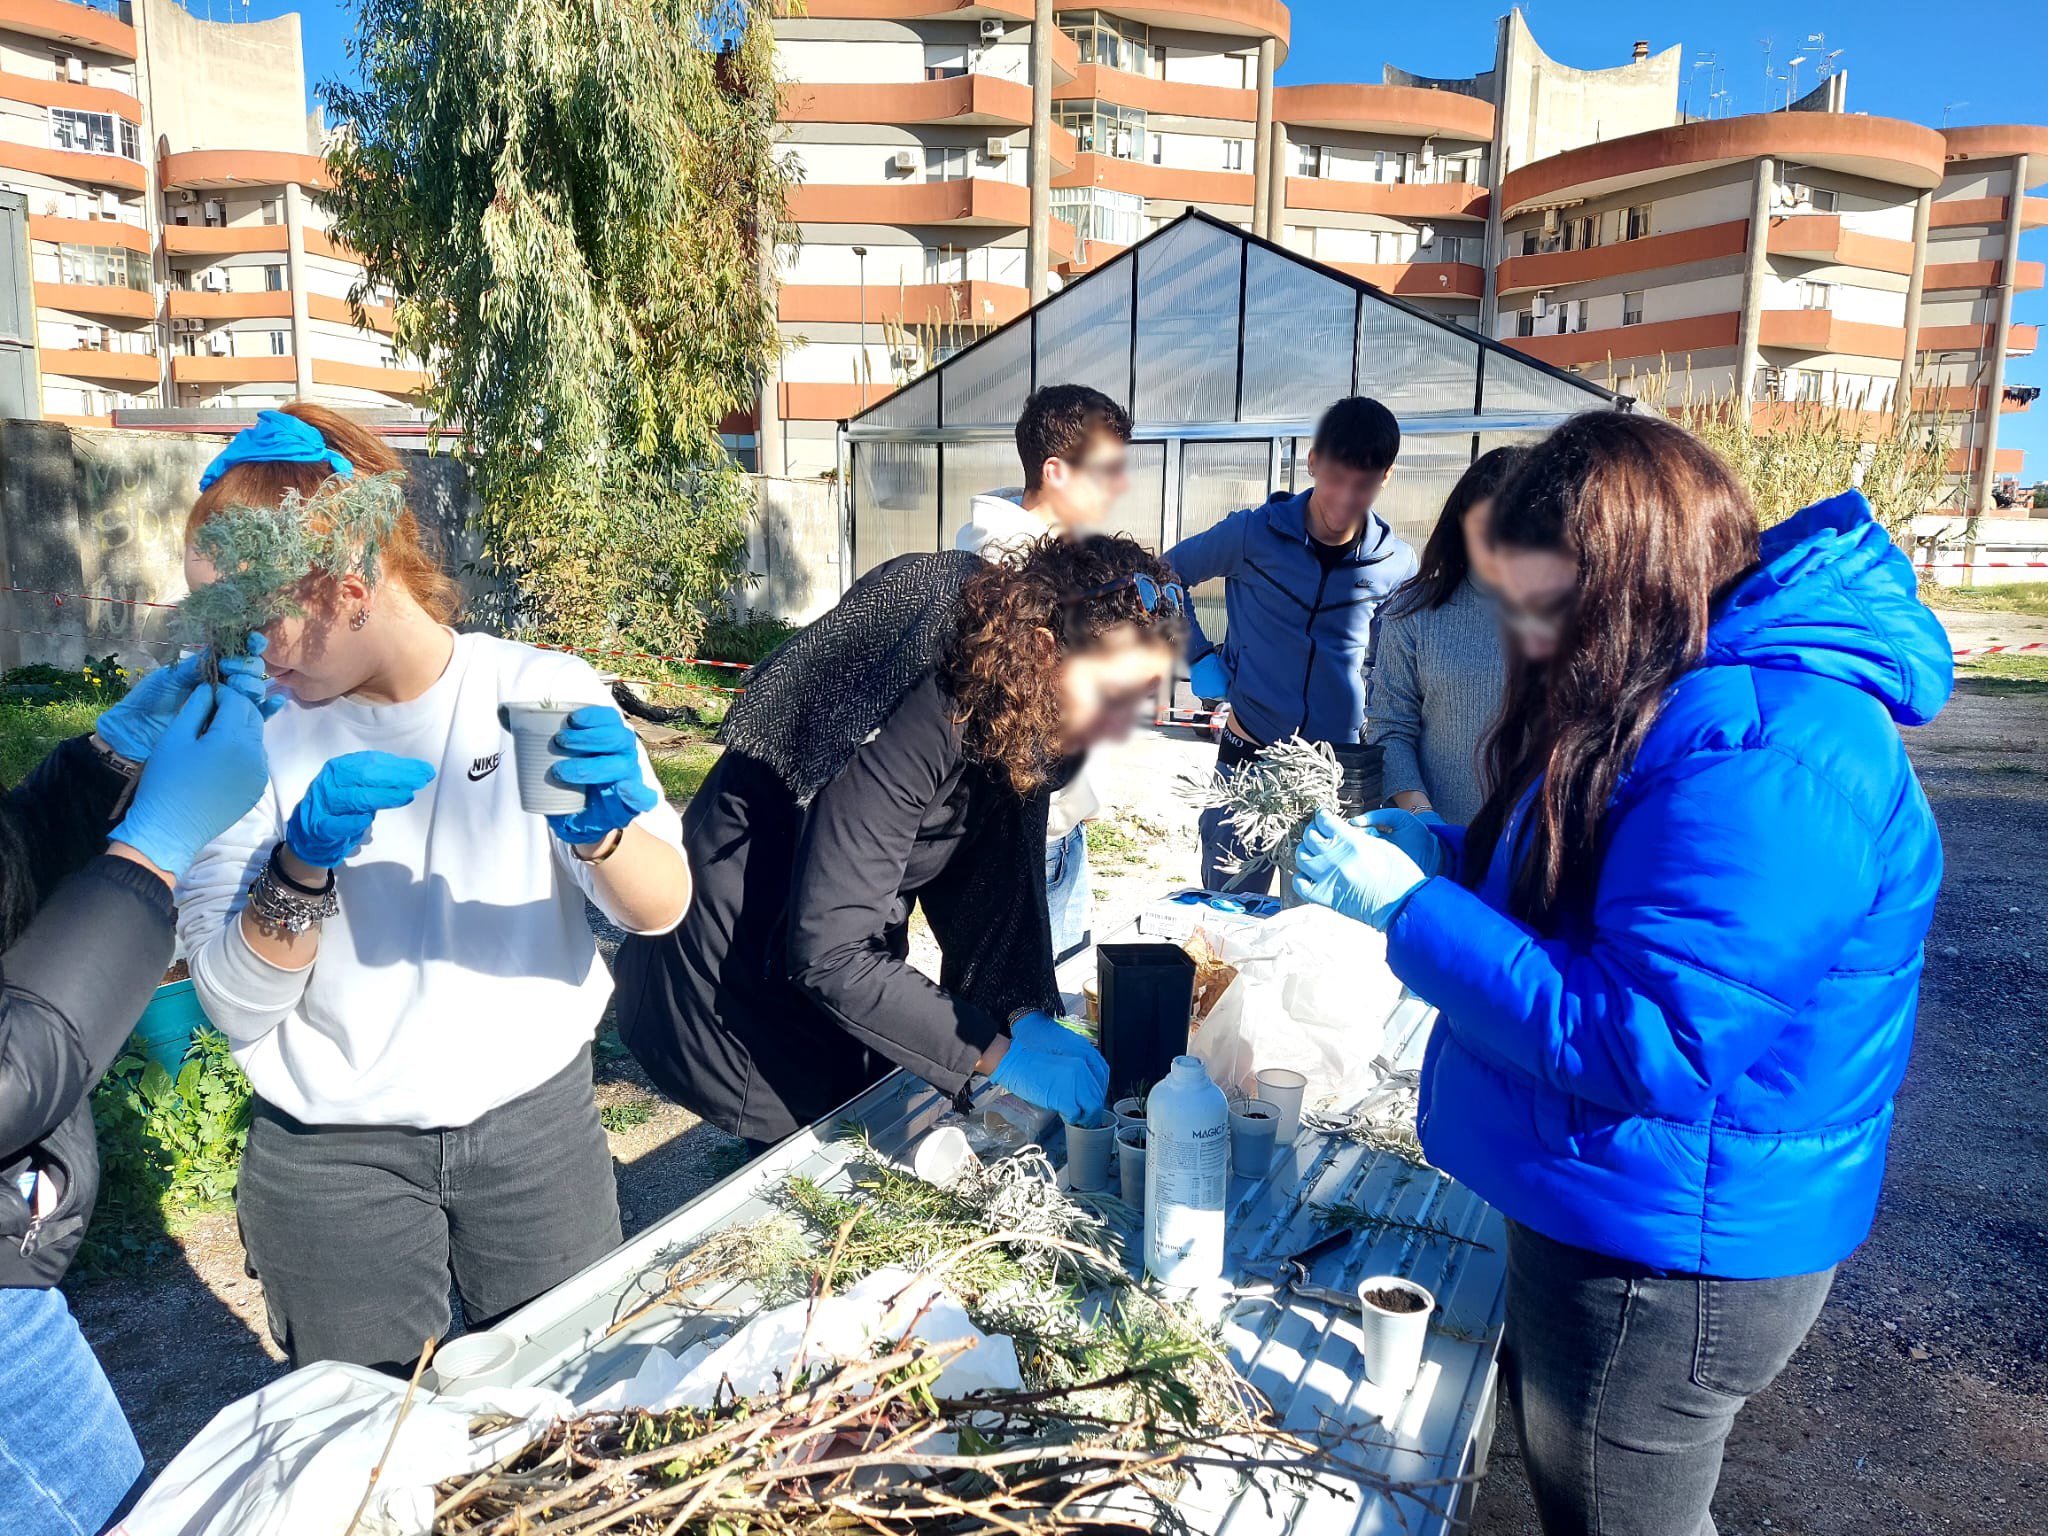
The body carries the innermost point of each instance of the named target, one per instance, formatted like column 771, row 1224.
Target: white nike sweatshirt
column 460, row 972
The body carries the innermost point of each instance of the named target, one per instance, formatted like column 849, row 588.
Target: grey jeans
column 1625, row 1381
column 357, row 1231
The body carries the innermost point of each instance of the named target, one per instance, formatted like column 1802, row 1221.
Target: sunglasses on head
column 1152, row 595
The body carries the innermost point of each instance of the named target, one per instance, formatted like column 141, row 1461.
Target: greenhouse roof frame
column 900, row 418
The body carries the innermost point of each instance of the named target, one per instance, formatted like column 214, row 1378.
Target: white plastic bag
column 293, row 1458
column 1313, row 993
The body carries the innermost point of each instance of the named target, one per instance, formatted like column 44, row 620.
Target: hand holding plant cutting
column 1354, row 870
column 330, row 823
column 205, row 770
column 605, row 762
column 134, row 726
column 1072, row 1086
column 1409, row 832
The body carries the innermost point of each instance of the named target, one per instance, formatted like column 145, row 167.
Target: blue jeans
column 67, row 1457
column 1066, row 893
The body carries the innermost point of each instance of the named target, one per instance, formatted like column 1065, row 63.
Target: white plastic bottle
column 1187, row 1166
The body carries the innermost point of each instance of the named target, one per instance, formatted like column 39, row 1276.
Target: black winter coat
column 90, row 936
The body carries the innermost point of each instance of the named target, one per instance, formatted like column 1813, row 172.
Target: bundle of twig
column 1269, row 801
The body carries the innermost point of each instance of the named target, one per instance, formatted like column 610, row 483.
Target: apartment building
column 179, row 254
column 1580, row 215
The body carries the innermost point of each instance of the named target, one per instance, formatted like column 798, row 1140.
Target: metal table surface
column 1302, row 1355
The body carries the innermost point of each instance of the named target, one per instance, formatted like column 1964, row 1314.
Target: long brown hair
column 1023, row 614
column 403, row 556
column 1660, row 528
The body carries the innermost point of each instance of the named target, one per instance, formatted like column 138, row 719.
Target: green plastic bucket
column 165, row 1029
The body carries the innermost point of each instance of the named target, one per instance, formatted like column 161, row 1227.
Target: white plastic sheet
column 1313, row 992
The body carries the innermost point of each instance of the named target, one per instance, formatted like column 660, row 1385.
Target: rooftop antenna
column 1951, row 107
column 1791, row 78
column 1769, row 74
column 1704, row 61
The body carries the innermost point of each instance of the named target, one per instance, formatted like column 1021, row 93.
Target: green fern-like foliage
column 262, row 555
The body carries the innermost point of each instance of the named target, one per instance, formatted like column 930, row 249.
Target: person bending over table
column 399, row 953
column 1677, row 953
column 899, row 752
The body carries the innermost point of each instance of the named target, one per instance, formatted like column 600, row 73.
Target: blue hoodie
column 1299, row 637
column 1694, row 1070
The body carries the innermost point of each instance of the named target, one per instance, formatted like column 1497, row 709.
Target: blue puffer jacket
column 1695, row 1071
column 1299, row 636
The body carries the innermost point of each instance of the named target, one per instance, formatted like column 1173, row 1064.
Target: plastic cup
column 1130, row 1111
column 1282, row 1087
column 475, row 1360
column 1392, row 1339
column 534, row 727
column 1130, row 1157
column 942, row 1156
column 1088, row 1149
column 1252, row 1127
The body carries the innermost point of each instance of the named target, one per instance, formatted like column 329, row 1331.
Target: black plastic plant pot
column 1363, row 785
column 1148, row 996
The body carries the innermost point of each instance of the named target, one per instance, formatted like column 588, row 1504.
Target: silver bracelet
column 282, row 908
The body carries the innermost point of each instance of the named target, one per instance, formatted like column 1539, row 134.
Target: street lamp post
column 861, row 255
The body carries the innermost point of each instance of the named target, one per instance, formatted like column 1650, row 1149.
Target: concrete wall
column 102, row 513
column 214, row 85
column 1548, row 107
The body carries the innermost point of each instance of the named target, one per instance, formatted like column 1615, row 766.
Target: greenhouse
column 1225, row 348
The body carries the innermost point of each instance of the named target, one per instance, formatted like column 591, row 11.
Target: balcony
column 127, row 237
column 1821, row 237
column 828, row 402
column 1402, row 110
column 107, row 367
column 1821, row 330
column 82, row 25
column 234, row 370
column 1555, row 269
column 1400, row 200
column 388, row 381
column 74, row 165
column 1164, row 182
column 1099, row 82
column 1419, row 279
column 973, row 302
column 2007, row 461
column 198, row 304
column 1659, row 338
column 967, row 200
column 324, row 306
column 34, row 92
column 1966, row 211
column 963, row 99
column 103, row 299
column 1945, row 276
column 320, row 243
column 221, row 169
column 2019, row 341
column 232, row 240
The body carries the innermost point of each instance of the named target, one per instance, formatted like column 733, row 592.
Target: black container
column 1148, row 997
column 1364, row 770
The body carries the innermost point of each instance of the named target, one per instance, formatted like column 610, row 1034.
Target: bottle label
column 1186, row 1177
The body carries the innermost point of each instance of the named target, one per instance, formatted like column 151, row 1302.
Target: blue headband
column 275, row 439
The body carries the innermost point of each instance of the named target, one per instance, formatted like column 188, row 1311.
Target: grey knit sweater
column 1436, row 682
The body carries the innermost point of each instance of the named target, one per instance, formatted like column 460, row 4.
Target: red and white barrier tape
column 2002, row 650
column 1985, row 565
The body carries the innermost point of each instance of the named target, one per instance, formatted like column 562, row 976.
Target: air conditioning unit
column 186, row 325
column 217, row 345
column 903, row 161
column 991, row 30
column 210, row 281
column 997, row 149
column 187, row 195
column 1540, row 305
column 1426, row 236
column 1550, row 221
column 74, row 69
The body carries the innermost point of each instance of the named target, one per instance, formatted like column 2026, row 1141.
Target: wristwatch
column 285, row 908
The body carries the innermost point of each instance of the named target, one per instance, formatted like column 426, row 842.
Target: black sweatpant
column 356, row 1230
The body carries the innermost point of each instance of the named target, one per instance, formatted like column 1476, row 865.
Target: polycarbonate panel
column 895, row 501
column 1510, row 386
column 985, row 386
column 1415, row 493
column 1216, row 479
column 1187, row 325
column 1298, row 331
column 1084, row 333
column 915, row 405
column 1415, row 367
column 1141, row 510
column 966, row 470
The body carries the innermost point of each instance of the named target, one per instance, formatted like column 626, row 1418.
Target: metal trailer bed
column 1303, row 1355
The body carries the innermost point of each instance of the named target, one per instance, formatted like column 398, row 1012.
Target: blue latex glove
column 1071, row 1084
column 1043, row 1032
column 607, row 765
column 1354, row 871
column 1208, row 678
column 1409, row 832
column 135, row 725
column 200, row 779
column 345, row 796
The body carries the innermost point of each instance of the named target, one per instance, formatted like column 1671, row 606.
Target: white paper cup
column 1392, row 1341
column 942, row 1156
column 1130, row 1158
column 475, row 1360
column 534, row 727
column 1088, row 1148
column 1282, row 1087
column 1252, row 1127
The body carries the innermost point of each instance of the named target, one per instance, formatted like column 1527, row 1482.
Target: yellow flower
column 95, row 682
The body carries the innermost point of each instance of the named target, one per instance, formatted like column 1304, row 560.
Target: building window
column 1159, row 61
column 273, row 210
column 945, row 263
column 280, row 343
column 1111, row 41
column 1308, row 159
column 1525, row 323
column 90, row 133
column 1103, row 128
column 1097, row 213
column 1812, row 295
column 102, row 266
column 273, row 279
column 1233, row 154
column 945, row 61
column 1635, row 222
column 1631, row 309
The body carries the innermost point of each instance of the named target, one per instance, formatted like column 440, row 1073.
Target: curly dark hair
column 1019, row 617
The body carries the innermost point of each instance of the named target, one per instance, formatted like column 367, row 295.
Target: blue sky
column 1977, row 61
